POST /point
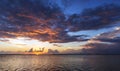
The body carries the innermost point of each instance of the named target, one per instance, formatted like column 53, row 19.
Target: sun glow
column 37, row 53
column 24, row 44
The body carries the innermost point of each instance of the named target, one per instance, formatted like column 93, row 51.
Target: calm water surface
column 60, row 63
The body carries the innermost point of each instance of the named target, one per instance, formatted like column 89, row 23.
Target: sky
column 61, row 26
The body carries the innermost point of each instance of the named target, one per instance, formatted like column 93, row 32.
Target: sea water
column 59, row 62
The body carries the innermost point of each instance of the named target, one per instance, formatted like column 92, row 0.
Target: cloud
column 105, row 43
column 95, row 18
column 50, row 51
column 34, row 19
column 11, row 52
column 57, row 45
column 71, row 51
column 112, row 36
column 45, row 21
column 4, row 40
column 101, row 48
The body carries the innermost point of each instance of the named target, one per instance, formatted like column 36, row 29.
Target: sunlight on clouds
column 28, row 42
column 117, row 28
column 24, row 44
column 17, row 41
column 93, row 41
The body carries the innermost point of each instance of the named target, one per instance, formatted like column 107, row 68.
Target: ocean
column 59, row 62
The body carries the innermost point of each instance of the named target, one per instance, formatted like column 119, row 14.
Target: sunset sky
column 62, row 26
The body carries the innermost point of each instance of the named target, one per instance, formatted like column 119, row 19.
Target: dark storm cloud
column 45, row 20
column 95, row 18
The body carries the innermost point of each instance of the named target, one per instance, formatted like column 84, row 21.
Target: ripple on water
column 53, row 68
column 2, row 69
column 58, row 68
column 22, row 69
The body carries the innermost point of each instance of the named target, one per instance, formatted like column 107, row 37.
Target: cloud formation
column 45, row 20
column 95, row 18
column 105, row 43
column 50, row 51
column 39, row 20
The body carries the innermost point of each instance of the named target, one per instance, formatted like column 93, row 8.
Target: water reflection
column 59, row 63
